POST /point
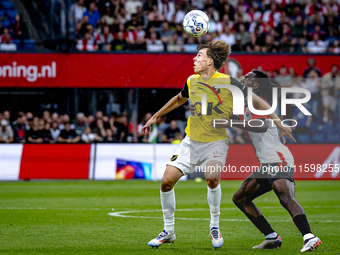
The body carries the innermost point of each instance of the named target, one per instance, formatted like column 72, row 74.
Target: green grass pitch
column 72, row 217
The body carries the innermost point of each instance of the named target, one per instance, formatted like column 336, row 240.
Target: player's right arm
column 173, row 103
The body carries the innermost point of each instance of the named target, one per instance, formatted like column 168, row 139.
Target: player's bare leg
column 243, row 198
column 212, row 175
column 170, row 177
column 285, row 191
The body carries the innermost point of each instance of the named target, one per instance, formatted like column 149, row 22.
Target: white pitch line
column 122, row 214
column 44, row 208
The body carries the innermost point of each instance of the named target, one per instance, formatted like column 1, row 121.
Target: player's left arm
column 284, row 130
column 173, row 103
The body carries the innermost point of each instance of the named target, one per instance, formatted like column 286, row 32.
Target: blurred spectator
column 227, row 36
column 318, row 31
column 109, row 138
column 165, row 7
column 8, row 45
column 166, row 34
column 131, row 6
column 93, row 14
column 120, row 43
column 311, row 66
column 65, row 118
column 175, row 45
column 78, row 9
column 123, row 17
column 19, row 129
column 86, row 44
column 284, row 45
column 106, row 39
column 190, row 45
column 154, row 45
column 46, row 133
column 4, row 34
column 19, row 29
column 6, row 132
column 141, row 137
column 334, row 47
column 139, row 30
column 272, row 16
column 7, row 116
column 238, row 45
column 34, row 135
column 55, row 132
column 250, row 47
column 111, row 12
column 284, row 78
column 329, row 90
column 178, row 138
column 169, row 133
column 313, row 85
column 88, row 137
column 117, row 128
column 269, row 45
column 68, row 135
column 299, row 29
column 99, row 116
column 99, row 129
column 299, row 83
column 47, row 116
column 80, row 124
column 243, row 35
column 316, row 46
column 140, row 44
column 178, row 14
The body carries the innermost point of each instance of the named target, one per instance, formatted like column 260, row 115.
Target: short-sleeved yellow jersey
column 219, row 105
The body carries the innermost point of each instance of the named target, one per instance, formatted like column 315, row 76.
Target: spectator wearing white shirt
column 179, row 14
column 131, row 6
column 165, row 7
column 8, row 45
column 89, row 137
column 154, row 45
column 316, row 46
column 78, row 9
column 55, row 132
column 6, row 132
column 227, row 36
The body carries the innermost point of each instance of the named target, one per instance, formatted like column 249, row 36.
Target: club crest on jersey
column 174, row 157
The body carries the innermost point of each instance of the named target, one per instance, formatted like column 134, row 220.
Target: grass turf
column 71, row 217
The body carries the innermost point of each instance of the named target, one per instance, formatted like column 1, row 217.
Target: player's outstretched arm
column 284, row 130
column 173, row 103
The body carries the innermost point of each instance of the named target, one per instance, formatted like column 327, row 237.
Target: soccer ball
column 196, row 23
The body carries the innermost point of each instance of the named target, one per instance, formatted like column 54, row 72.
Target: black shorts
column 267, row 174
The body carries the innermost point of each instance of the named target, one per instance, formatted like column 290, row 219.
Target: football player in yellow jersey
column 203, row 145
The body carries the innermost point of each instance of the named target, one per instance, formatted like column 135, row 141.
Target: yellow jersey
column 219, row 105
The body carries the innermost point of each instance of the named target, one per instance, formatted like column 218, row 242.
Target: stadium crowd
column 323, row 125
column 250, row 26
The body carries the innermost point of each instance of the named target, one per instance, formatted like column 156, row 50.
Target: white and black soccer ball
column 196, row 23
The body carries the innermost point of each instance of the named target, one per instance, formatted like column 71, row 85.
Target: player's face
column 249, row 80
column 201, row 61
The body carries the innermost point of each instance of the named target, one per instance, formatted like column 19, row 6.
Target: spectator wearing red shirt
column 272, row 16
column 19, row 129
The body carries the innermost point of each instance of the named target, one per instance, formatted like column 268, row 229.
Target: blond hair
column 219, row 51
